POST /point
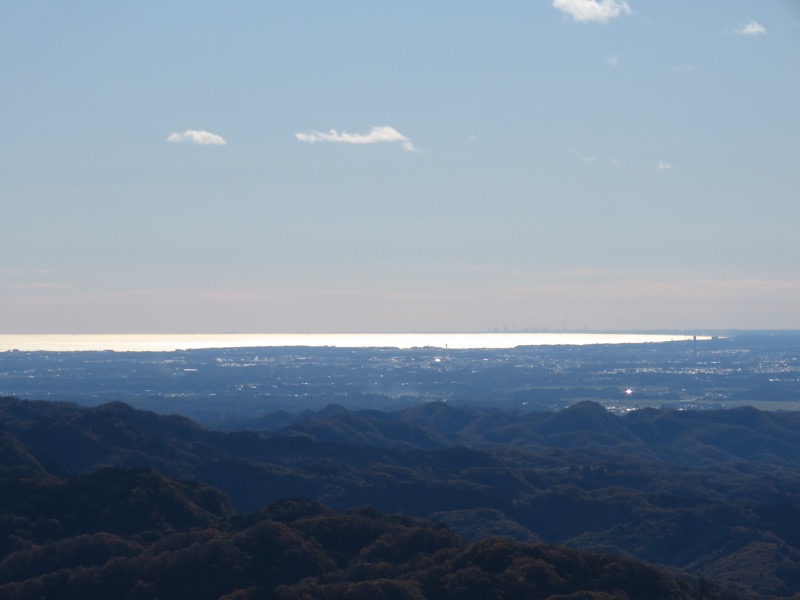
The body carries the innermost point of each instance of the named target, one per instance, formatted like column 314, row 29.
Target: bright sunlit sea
column 458, row 341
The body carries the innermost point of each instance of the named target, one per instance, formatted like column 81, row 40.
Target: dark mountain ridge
column 134, row 534
column 711, row 493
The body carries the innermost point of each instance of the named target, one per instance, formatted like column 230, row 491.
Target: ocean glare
column 456, row 341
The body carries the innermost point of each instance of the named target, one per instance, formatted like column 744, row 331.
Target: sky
column 361, row 166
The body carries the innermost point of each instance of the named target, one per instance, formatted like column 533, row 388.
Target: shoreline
column 201, row 341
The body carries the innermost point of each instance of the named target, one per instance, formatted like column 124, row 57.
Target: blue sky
column 411, row 166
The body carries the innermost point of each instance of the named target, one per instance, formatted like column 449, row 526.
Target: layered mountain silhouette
column 711, row 494
column 131, row 534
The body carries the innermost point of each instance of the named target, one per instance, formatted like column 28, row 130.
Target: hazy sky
column 345, row 166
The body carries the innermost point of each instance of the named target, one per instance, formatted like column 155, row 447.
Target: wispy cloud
column 202, row 138
column 753, row 29
column 376, row 135
column 587, row 158
column 612, row 61
column 599, row 160
column 664, row 165
column 25, row 272
column 592, row 10
column 25, row 280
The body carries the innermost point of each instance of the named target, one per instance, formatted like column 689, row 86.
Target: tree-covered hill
column 713, row 494
column 135, row 534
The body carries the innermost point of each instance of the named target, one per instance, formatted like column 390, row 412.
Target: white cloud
column 202, row 138
column 664, row 165
column 603, row 160
column 592, row 10
column 753, row 29
column 376, row 135
column 612, row 61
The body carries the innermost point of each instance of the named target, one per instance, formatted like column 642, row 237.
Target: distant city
column 226, row 387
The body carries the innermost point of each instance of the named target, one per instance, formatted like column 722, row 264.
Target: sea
column 458, row 341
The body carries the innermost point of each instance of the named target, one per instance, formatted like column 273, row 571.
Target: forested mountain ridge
column 134, row 534
column 711, row 493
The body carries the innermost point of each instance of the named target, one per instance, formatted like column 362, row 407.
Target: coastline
column 198, row 341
